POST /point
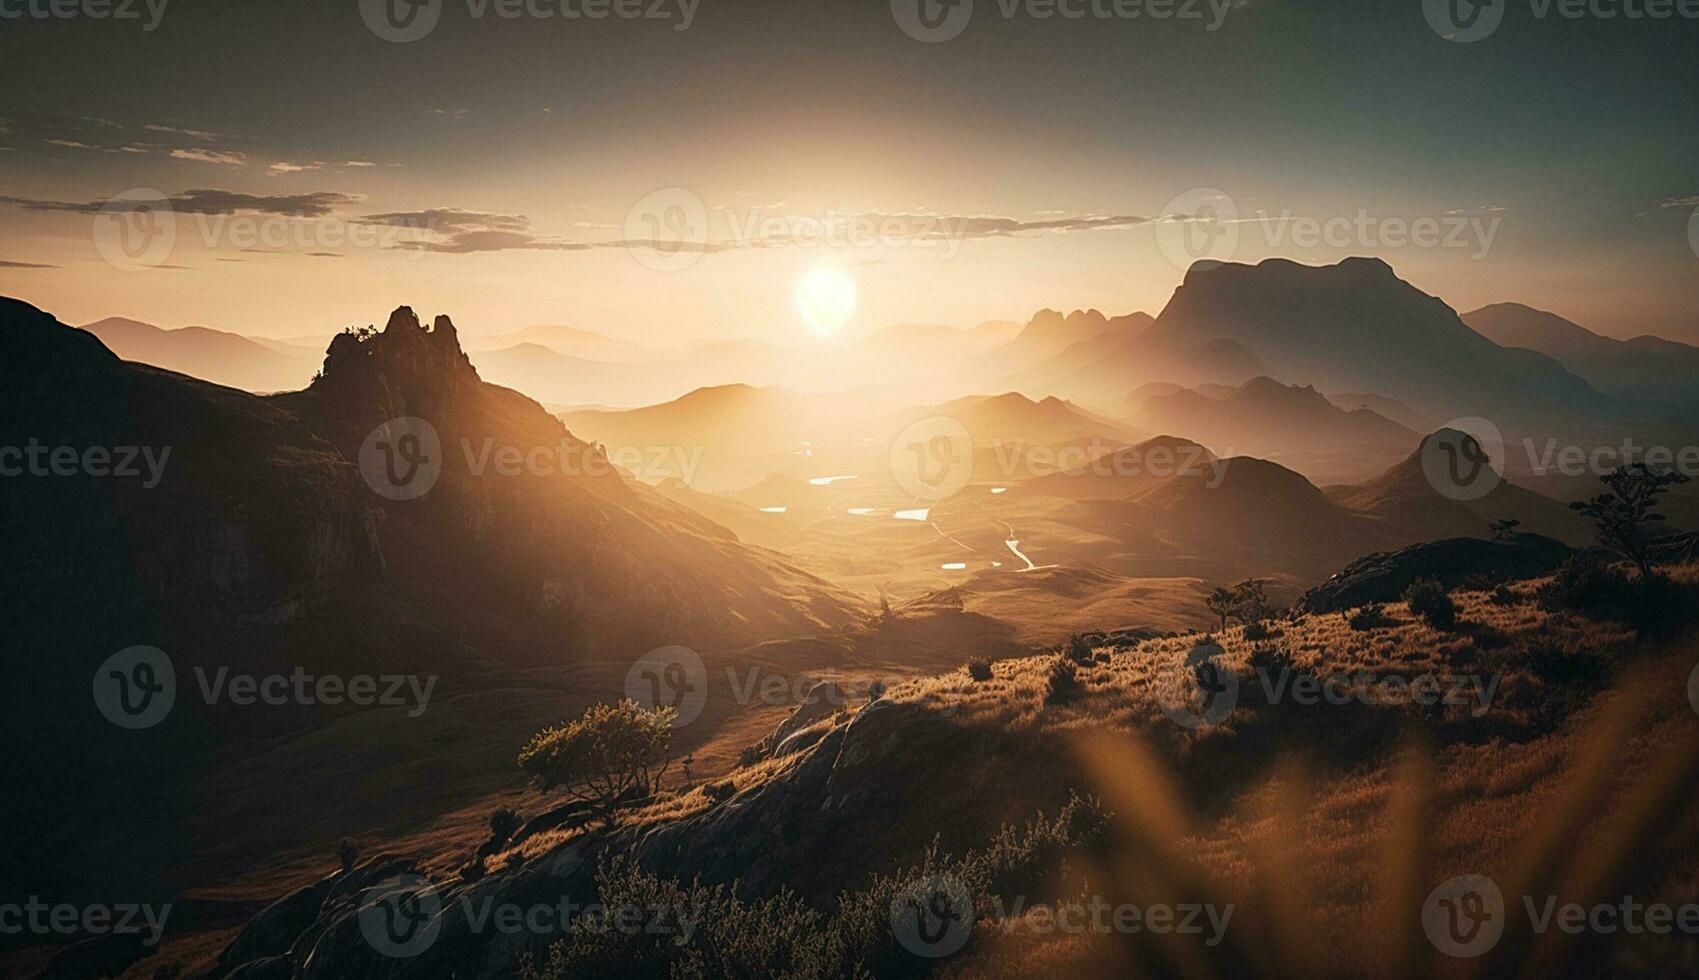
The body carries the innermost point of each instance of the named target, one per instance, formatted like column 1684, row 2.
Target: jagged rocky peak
column 403, row 350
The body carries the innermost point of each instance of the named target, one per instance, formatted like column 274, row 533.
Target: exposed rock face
column 822, row 701
column 1384, row 576
column 765, row 837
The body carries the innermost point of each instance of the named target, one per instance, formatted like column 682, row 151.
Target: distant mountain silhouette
column 1649, row 368
column 211, row 355
column 572, row 341
column 1391, row 408
column 1048, row 334
column 1125, row 472
column 1265, row 418
column 1356, row 326
column 1013, row 417
column 1405, row 496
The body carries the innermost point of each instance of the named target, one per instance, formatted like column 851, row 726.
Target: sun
column 826, row 299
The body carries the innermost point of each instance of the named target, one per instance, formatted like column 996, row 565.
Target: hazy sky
column 506, row 170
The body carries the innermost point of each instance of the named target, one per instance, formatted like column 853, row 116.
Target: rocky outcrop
column 822, row 701
column 1383, row 577
column 763, row 838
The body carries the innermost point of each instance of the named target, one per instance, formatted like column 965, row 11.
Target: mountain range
column 1642, row 368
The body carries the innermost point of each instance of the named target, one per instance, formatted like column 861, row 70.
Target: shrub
column 609, row 752
column 347, row 852
column 719, row 792
column 875, row 691
column 1429, row 600
column 473, row 869
column 1589, row 586
column 1503, row 595
column 1257, row 630
column 979, row 668
column 1270, row 660
column 750, row 756
column 1079, row 649
column 1063, row 683
column 1555, row 665
column 1369, row 616
column 503, row 823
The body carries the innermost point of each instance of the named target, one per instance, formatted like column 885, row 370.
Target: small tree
column 610, row 751
column 1504, row 529
column 1622, row 511
column 1247, row 602
column 1222, row 602
column 1251, row 601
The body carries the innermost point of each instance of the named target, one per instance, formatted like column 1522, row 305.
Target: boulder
column 1383, row 576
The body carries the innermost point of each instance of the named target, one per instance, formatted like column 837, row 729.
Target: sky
column 312, row 166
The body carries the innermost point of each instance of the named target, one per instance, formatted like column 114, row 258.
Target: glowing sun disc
column 826, row 298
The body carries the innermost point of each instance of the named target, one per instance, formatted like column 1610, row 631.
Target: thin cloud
column 199, row 134
column 221, row 157
column 203, row 201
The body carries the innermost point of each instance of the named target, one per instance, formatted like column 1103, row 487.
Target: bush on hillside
column 979, row 668
column 1063, row 683
column 1428, row 599
column 1370, row 616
